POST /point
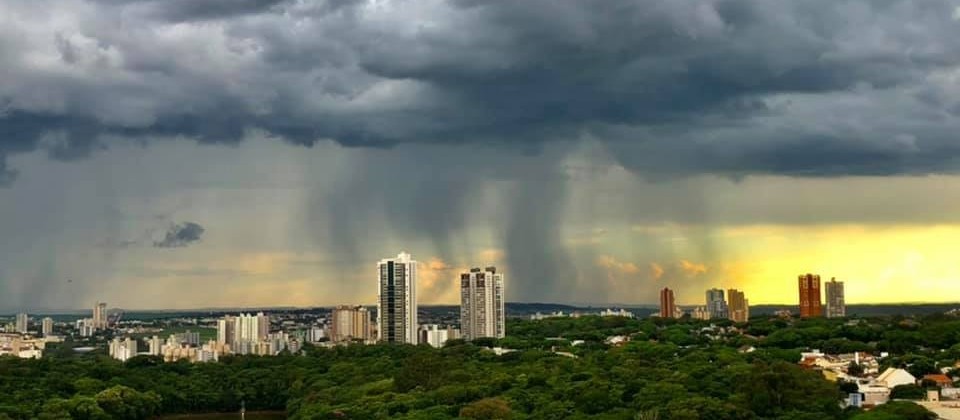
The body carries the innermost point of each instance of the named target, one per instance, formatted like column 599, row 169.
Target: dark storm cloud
column 181, row 235
column 675, row 88
column 190, row 10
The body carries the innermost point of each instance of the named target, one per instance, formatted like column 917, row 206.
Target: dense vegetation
column 669, row 370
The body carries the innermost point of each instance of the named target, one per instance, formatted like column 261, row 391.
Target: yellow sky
column 878, row 264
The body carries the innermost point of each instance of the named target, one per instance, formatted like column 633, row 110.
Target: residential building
column 436, row 335
column 251, row 328
column 350, row 323
column 482, row 312
column 86, row 327
column 189, row 338
column 46, row 327
column 716, row 304
column 155, row 346
column 836, row 305
column 23, row 323
column 892, row 377
column 397, row 299
column 616, row 312
column 941, row 380
column 738, row 306
column 226, row 330
column 668, row 307
column 701, row 313
column 100, row 316
column 123, row 350
column 809, row 287
column 17, row 345
column 317, row 334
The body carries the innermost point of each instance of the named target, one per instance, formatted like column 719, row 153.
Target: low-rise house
column 942, row 381
column 874, row 394
column 892, row 377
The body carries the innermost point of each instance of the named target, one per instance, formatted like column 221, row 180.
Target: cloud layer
column 810, row 88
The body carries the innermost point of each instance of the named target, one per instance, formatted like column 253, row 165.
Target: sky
column 239, row 153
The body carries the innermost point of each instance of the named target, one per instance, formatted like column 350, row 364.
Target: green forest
column 562, row 369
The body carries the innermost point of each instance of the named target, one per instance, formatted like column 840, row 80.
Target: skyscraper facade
column 716, row 304
column 226, row 330
column 397, row 299
column 810, row 305
column 836, row 304
column 100, row 316
column 738, row 306
column 350, row 323
column 251, row 328
column 482, row 312
column 46, row 326
column 668, row 307
column 23, row 323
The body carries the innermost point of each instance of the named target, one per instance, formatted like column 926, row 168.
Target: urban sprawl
column 481, row 314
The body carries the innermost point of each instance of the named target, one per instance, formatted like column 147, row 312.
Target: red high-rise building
column 810, row 305
column 668, row 308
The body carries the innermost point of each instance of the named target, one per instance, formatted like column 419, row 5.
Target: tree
column 88, row 386
column 847, row 387
column 126, row 403
column 425, row 370
column 855, row 369
column 487, row 409
column 55, row 409
column 921, row 366
column 907, row 392
column 897, row 410
column 86, row 408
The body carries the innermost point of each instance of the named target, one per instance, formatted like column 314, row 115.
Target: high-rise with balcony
column 809, row 287
column 836, row 305
column 716, row 304
column 738, row 306
column 482, row 312
column 397, row 299
column 668, row 307
column 350, row 323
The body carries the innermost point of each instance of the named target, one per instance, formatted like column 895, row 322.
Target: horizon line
column 573, row 305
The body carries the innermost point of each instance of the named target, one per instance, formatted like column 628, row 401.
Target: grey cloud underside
column 814, row 88
column 181, row 235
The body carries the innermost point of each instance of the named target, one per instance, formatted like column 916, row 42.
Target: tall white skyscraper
column 482, row 311
column 836, row 304
column 47, row 327
column 397, row 299
column 23, row 323
column 100, row 316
